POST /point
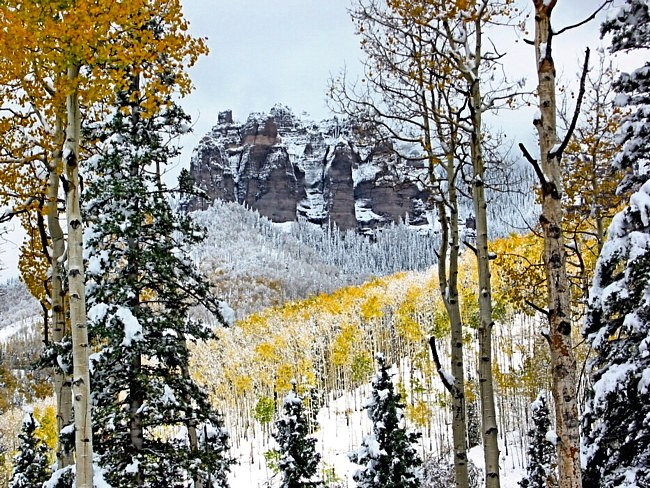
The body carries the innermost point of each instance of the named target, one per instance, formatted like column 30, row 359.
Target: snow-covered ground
column 342, row 425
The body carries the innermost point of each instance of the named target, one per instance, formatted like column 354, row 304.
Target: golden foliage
column 419, row 413
column 110, row 41
column 406, row 320
column 346, row 342
column 47, row 428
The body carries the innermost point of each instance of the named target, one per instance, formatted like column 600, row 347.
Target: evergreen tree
column 473, row 425
column 142, row 284
column 541, row 449
column 298, row 457
column 616, row 416
column 388, row 456
column 630, row 30
column 31, row 466
column 214, row 439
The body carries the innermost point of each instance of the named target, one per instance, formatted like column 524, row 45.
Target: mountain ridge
column 290, row 168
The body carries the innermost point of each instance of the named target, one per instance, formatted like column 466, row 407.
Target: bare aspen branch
column 576, row 113
column 583, row 22
column 451, row 388
column 538, row 309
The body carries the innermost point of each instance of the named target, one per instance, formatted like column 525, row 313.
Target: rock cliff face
column 287, row 168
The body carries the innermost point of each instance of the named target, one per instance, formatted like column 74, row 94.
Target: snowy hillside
column 19, row 311
column 255, row 263
column 327, row 342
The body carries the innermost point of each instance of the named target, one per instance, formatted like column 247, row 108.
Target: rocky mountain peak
column 290, row 167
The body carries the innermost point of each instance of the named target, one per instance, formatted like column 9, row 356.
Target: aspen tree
column 31, row 165
column 548, row 170
column 74, row 52
column 405, row 74
column 463, row 25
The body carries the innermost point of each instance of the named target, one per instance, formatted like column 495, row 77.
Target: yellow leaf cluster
column 345, row 343
column 419, row 413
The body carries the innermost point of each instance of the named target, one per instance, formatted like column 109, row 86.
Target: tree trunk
column 76, row 286
column 448, row 281
column 486, row 388
column 563, row 361
column 136, row 390
column 62, row 381
column 449, row 291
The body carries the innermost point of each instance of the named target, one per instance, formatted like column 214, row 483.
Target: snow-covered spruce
column 299, row 460
column 387, row 456
column 616, row 428
column 31, row 465
column 153, row 425
column 616, row 418
column 630, row 30
column 439, row 472
column 541, row 447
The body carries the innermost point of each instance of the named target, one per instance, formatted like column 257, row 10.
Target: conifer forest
column 441, row 280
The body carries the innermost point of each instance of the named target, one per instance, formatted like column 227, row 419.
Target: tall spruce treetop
column 616, row 420
column 142, row 285
column 31, row 465
column 629, row 30
column 388, row 456
column 541, row 449
column 298, row 457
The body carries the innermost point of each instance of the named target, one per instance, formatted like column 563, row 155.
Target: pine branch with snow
column 630, row 30
column 616, row 431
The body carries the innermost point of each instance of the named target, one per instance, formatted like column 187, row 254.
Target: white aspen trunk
column 448, row 281
column 448, row 277
column 563, row 361
column 452, row 304
column 62, row 381
column 486, row 388
column 449, row 291
column 76, row 286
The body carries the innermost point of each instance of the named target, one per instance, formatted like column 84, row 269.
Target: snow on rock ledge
column 288, row 167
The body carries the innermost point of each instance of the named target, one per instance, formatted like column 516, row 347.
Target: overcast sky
column 264, row 52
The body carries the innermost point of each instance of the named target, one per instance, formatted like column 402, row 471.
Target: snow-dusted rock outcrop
column 287, row 167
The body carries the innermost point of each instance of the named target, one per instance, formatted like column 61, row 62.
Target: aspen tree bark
column 486, row 387
column 448, row 281
column 77, row 292
column 452, row 306
column 563, row 361
column 62, row 381
column 449, row 290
